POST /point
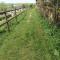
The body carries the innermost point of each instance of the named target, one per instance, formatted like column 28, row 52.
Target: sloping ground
column 28, row 41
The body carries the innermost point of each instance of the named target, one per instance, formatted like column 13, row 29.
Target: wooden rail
column 2, row 12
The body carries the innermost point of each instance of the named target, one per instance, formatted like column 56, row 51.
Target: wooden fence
column 9, row 19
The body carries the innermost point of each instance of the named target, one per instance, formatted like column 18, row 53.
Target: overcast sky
column 18, row 1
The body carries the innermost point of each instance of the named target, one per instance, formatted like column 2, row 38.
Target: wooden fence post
column 7, row 21
column 15, row 15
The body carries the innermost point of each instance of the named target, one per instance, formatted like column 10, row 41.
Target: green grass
column 29, row 40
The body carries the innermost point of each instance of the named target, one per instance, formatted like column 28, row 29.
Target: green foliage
column 1, row 18
column 26, row 5
column 3, row 6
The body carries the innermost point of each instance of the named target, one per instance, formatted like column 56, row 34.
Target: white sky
column 18, row 1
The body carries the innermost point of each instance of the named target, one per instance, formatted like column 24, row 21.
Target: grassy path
column 28, row 41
